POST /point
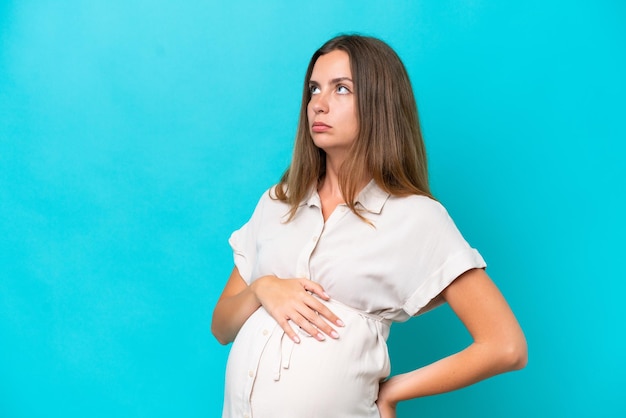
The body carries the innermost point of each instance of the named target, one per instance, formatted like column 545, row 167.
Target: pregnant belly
column 313, row 378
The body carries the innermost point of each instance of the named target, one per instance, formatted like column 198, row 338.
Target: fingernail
column 320, row 336
column 326, row 295
column 340, row 323
column 296, row 339
column 334, row 334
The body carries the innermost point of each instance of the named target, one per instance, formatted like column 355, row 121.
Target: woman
column 349, row 241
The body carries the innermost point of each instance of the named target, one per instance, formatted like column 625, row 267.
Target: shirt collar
column 372, row 198
column 312, row 199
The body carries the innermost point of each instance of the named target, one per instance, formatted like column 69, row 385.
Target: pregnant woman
column 349, row 241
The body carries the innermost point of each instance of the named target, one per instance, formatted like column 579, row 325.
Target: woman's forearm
column 234, row 307
column 477, row 362
column 285, row 300
column 498, row 346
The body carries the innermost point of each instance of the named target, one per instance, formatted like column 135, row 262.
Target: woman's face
column 332, row 113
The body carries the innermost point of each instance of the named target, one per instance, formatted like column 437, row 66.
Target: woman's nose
column 319, row 103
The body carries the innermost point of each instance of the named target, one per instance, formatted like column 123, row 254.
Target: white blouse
column 375, row 273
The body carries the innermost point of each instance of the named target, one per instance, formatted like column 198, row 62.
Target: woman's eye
column 343, row 90
column 314, row 89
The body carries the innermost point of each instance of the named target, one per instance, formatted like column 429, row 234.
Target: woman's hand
column 386, row 407
column 386, row 410
column 292, row 300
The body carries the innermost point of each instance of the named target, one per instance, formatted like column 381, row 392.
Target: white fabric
column 387, row 271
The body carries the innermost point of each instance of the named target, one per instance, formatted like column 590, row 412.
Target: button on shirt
column 388, row 270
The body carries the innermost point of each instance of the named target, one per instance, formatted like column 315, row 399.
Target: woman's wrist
column 386, row 392
column 256, row 286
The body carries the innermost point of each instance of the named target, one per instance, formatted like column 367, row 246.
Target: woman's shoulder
column 418, row 204
column 272, row 195
column 416, row 211
column 269, row 201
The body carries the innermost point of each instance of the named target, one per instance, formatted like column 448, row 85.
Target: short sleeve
column 244, row 241
column 441, row 255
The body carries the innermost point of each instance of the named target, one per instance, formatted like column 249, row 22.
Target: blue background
column 136, row 135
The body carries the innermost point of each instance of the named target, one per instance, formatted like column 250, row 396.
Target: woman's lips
column 319, row 127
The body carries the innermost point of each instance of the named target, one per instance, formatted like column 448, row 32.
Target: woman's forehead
column 333, row 65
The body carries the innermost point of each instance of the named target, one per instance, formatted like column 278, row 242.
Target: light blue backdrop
column 136, row 135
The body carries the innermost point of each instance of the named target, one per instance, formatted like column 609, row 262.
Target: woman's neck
column 329, row 187
column 330, row 184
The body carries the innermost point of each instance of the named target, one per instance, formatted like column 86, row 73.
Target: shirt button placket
column 302, row 269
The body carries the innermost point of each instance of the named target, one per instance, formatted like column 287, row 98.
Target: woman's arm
column 284, row 300
column 236, row 303
column 499, row 345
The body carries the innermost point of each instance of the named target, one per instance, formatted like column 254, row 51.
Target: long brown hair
column 389, row 147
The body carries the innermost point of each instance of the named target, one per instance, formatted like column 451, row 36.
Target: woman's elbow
column 221, row 340
column 219, row 335
column 515, row 355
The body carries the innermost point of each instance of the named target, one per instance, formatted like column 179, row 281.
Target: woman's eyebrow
column 333, row 81
column 340, row 79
